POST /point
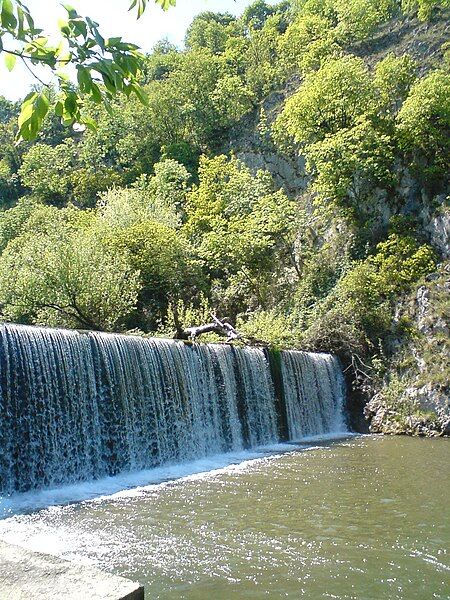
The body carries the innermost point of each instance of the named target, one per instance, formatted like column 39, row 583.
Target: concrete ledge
column 26, row 575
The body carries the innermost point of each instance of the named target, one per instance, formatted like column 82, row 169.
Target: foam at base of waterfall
column 140, row 482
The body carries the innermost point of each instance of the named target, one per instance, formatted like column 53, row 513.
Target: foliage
column 357, row 314
column 138, row 223
column 46, row 170
column 209, row 30
column 352, row 20
column 54, row 174
column 423, row 8
column 269, row 326
column 394, row 76
column 331, row 99
column 400, row 261
column 13, row 221
column 104, row 67
column 349, row 164
column 63, row 277
column 159, row 198
column 240, row 228
column 424, row 122
column 165, row 263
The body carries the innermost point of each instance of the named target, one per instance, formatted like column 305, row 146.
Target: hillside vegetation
column 290, row 171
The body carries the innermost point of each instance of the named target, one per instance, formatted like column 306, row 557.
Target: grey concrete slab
column 26, row 575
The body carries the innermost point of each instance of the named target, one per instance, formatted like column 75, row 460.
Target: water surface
column 365, row 518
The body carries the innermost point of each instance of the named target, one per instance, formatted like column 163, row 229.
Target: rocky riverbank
column 415, row 394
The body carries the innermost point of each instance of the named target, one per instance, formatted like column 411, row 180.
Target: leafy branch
column 104, row 66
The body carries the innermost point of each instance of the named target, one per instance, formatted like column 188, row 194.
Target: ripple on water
column 363, row 519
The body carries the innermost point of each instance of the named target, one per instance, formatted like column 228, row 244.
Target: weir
column 77, row 406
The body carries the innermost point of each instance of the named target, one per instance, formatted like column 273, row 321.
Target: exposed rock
column 438, row 229
column 415, row 396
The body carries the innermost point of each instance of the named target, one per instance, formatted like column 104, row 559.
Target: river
column 360, row 518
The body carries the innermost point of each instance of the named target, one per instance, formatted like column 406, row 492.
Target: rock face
column 26, row 575
column 415, row 395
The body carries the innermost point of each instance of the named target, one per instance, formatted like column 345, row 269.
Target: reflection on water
column 362, row 519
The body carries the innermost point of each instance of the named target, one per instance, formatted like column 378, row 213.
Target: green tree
column 261, row 68
column 58, row 176
column 331, row 99
column 424, row 8
column 256, row 15
column 243, row 230
column 301, row 35
column 350, row 163
column 394, row 76
column 209, row 30
column 46, row 171
column 13, row 221
column 423, row 123
column 168, row 270
column 64, row 277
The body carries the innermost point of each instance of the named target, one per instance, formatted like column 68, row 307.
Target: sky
column 115, row 20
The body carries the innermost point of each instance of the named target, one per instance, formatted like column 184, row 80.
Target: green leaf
column 25, row 113
column 90, row 123
column 143, row 98
column 96, row 94
column 34, row 109
column 84, row 79
column 63, row 25
column 10, row 61
column 70, row 103
column 59, row 109
column 70, row 9
column 42, row 105
column 166, row 4
column 8, row 19
column 111, row 42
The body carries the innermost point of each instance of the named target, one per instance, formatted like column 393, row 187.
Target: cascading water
column 81, row 406
column 313, row 391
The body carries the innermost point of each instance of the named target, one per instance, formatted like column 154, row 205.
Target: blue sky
column 115, row 20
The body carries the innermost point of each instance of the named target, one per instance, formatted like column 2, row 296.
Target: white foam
column 136, row 483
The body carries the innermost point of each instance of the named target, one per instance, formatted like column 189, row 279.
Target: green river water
column 362, row 518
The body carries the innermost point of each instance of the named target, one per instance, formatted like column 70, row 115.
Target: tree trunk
column 221, row 327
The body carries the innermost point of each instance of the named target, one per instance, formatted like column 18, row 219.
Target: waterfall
column 313, row 387
column 77, row 406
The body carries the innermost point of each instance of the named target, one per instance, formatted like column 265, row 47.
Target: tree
column 299, row 36
column 331, row 99
column 209, row 30
column 242, row 230
column 166, row 264
column 423, row 123
column 46, row 171
column 352, row 20
column 13, row 221
column 255, row 15
column 160, row 198
column 350, row 163
column 424, row 8
column 104, row 67
column 58, row 174
column 261, row 69
column 162, row 60
column 232, row 99
column 394, row 76
column 64, row 277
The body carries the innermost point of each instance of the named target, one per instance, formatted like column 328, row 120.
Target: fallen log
column 220, row 326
